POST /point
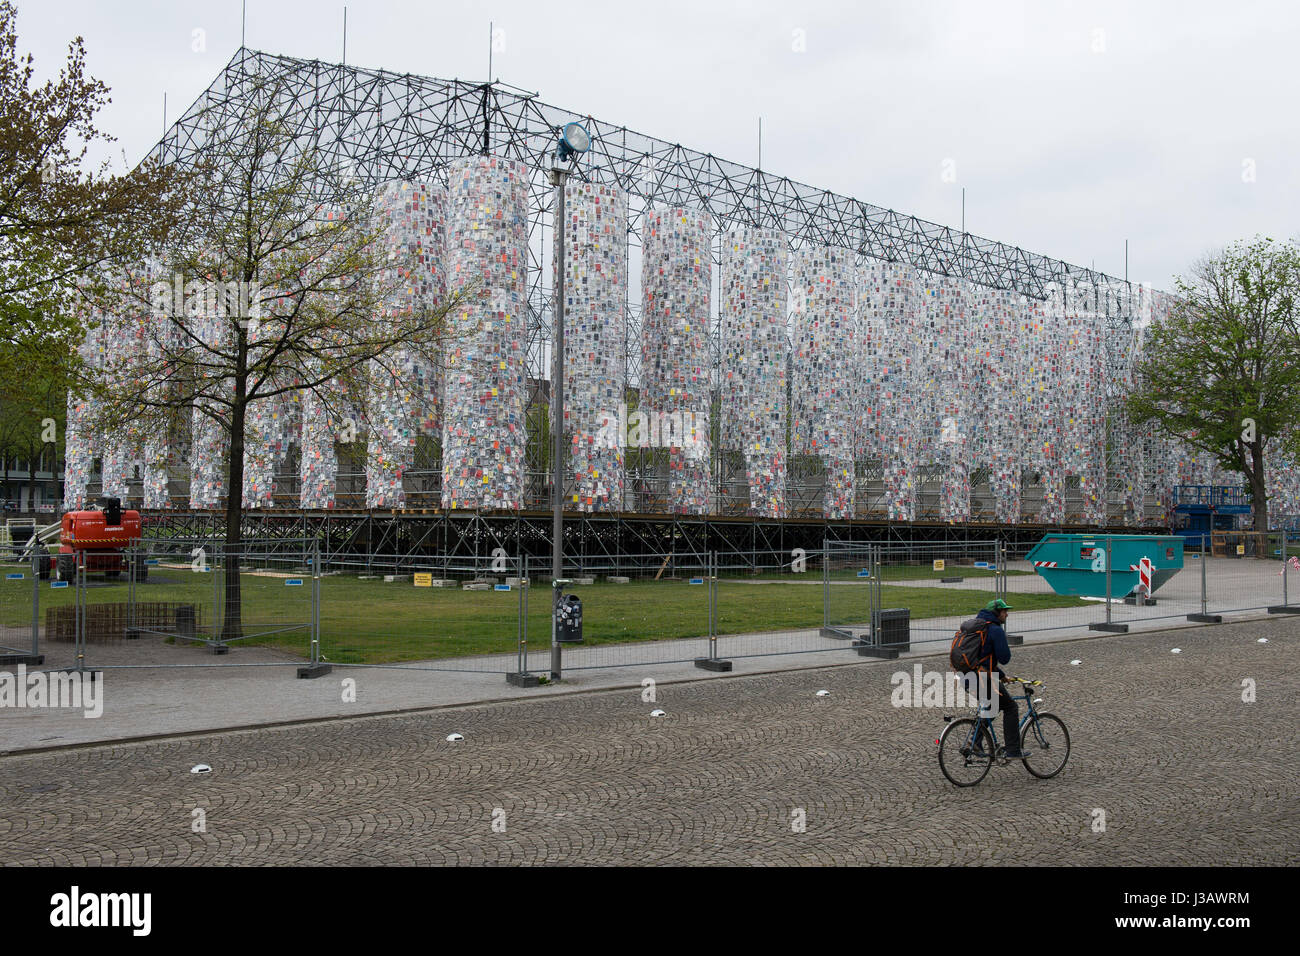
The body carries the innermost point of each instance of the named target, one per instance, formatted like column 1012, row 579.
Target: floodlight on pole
column 574, row 140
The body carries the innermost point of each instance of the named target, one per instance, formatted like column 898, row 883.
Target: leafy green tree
column 33, row 407
column 61, row 226
column 63, row 229
column 1223, row 373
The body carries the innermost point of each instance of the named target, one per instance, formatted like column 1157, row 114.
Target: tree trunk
column 1258, row 488
column 32, row 465
column 232, row 617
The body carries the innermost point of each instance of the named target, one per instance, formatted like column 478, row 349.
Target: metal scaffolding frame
column 453, row 541
column 381, row 126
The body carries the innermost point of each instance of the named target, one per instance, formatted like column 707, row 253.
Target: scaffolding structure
column 384, row 128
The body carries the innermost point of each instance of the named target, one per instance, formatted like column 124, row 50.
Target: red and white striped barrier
column 1131, row 567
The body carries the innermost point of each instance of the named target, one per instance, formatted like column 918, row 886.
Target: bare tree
column 287, row 287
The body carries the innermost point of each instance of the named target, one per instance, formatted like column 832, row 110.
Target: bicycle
column 968, row 747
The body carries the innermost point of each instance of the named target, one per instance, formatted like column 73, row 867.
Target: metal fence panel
column 644, row 610
column 1245, row 572
column 469, row 617
column 847, row 585
column 173, row 604
column 19, row 600
column 933, row 587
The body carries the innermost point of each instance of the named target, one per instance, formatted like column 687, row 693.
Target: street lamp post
column 574, row 140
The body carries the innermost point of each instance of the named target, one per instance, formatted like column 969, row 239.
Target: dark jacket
column 1001, row 650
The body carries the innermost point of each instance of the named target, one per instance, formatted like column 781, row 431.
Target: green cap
column 997, row 605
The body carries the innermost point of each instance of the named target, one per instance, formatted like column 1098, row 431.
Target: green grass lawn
column 374, row 622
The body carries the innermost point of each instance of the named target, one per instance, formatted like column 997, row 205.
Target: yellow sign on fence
column 424, row 580
column 938, row 564
column 1241, row 550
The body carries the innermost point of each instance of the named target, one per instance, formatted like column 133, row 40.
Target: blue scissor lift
column 1200, row 510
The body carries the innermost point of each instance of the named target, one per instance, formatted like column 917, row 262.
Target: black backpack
column 971, row 648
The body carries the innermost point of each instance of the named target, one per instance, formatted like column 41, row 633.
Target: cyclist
column 994, row 616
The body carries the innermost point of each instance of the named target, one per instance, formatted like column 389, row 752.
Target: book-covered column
column 405, row 385
column 676, row 273
column 595, row 342
column 868, row 394
column 1158, row 452
column 901, row 307
column 1006, row 411
column 754, row 353
column 163, row 445
column 1127, row 439
column 122, row 346
column 951, row 378
column 483, row 427
column 1084, row 437
column 272, row 426
column 1042, row 374
column 825, row 369
column 331, row 416
column 80, row 440
column 209, row 438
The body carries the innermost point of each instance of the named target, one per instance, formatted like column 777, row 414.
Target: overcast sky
column 1072, row 125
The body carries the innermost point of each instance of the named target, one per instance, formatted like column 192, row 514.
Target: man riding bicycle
column 993, row 617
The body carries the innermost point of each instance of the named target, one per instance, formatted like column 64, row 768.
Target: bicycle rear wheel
column 964, row 758
column 1046, row 743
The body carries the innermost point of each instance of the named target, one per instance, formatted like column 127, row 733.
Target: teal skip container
column 1075, row 564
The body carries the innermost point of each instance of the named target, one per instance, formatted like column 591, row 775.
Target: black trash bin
column 895, row 628
column 568, row 620
column 185, row 621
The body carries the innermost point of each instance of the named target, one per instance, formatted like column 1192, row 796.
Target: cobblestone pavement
column 1184, row 770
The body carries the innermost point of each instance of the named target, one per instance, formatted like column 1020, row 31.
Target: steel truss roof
column 387, row 126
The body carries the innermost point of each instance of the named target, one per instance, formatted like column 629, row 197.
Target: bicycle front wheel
column 1046, row 744
column 964, row 757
